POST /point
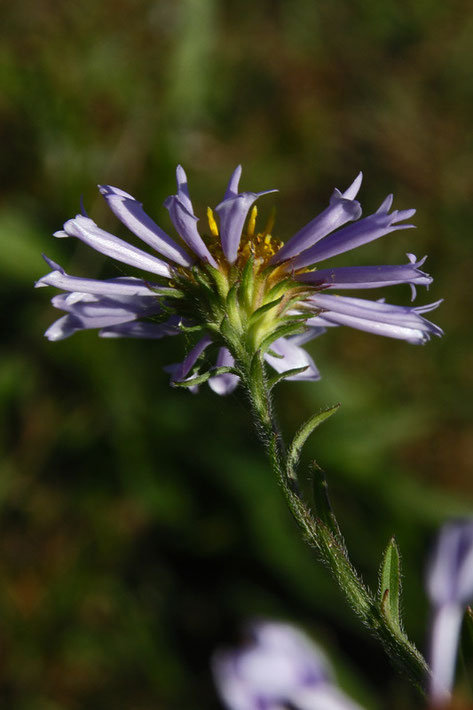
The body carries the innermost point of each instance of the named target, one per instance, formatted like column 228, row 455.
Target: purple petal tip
column 352, row 191
column 181, row 177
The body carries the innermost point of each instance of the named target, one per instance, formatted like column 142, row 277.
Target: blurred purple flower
column 279, row 667
column 450, row 589
column 136, row 307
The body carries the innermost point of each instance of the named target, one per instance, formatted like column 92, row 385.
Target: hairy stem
column 327, row 540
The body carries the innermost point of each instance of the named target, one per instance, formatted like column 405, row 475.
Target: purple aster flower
column 235, row 289
column 279, row 667
column 450, row 589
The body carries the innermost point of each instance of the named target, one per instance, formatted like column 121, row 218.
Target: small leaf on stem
column 292, row 326
column 390, row 584
column 200, row 379
column 303, row 434
column 273, row 381
column 323, row 508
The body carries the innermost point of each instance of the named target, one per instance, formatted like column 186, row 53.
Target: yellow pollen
column 252, row 221
column 263, row 246
column 212, row 222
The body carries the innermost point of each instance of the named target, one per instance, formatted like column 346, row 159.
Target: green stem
column 328, row 544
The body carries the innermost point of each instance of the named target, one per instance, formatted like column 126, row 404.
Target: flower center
column 262, row 245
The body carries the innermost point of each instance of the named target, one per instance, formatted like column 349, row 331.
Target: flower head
column 450, row 589
column 279, row 667
column 235, row 287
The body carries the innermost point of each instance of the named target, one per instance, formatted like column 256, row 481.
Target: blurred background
column 140, row 525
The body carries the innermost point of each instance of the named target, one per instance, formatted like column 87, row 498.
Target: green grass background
column 140, row 525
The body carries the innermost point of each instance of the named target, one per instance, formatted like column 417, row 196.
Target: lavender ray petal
column 428, row 306
column 131, row 213
column 232, row 212
column 87, row 311
column 186, row 225
column 141, row 329
column 385, row 205
column 183, row 189
column 306, row 337
column 279, row 665
column 362, row 232
column 401, row 215
column 224, row 384
column 342, row 208
column 115, row 191
column 132, row 303
column 347, row 277
column 320, row 323
column 465, row 578
column 305, row 662
column 324, row 697
column 413, row 328
column 121, row 286
column 87, row 231
column 450, row 588
column 181, row 370
column 413, row 259
column 86, row 305
column 62, row 328
column 445, row 634
column 362, row 308
column 233, row 690
column 415, row 336
column 450, row 571
column 102, row 320
column 352, row 191
column 82, row 206
column 232, row 188
column 291, row 357
column 70, row 324
column 340, row 308
column 184, row 220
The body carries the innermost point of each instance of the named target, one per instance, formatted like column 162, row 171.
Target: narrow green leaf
column 190, row 328
column 298, row 318
column 233, row 305
column 282, row 332
column 390, row 584
column 281, row 288
column 273, row 353
column 323, row 508
column 256, row 315
column 218, row 280
column 232, row 297
column 247, row 284
column 273, row 381
column 199, row 379
column 294, row 302
column 201, row 278
column 168, row 292
column 303, row 434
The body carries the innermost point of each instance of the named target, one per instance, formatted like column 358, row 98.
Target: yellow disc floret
column 262, row 245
